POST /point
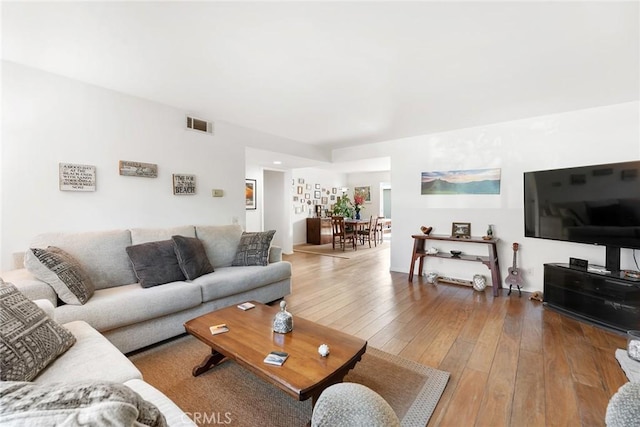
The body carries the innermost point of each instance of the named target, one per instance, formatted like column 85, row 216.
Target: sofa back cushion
column 220, row 242
column 146, row 235
column 101, row 254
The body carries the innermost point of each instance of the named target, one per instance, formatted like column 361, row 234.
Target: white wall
column 48, row 119
column 599, row 135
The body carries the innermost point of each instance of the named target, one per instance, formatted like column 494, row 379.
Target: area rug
column 231, row 395
column 348, row 253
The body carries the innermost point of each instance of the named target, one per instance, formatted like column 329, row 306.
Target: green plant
column 343, row 207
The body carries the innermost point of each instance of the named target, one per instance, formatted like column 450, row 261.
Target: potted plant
column 343, row 207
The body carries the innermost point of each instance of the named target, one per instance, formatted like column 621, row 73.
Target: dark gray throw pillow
column 253, row 248
column 29, row 339
column 155, row 263
column 192, row 257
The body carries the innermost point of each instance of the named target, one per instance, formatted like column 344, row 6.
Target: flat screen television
column 598, row 204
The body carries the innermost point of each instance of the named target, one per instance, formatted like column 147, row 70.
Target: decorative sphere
column 479, row 282
column 323, row 350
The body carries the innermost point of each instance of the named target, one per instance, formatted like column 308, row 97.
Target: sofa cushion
column 220, row 242
column 91, row 358
column 155, row 263
column 76, row 403
column 125, row 305
column 253, row 248
column 29, row 339
column 192, row 257
column 146, row 235
column 60, row 270
column 101, row 254
column 234, row 280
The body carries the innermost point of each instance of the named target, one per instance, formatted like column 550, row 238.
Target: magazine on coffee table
column 276, row 358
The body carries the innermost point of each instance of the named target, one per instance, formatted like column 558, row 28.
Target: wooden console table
column 490, row 261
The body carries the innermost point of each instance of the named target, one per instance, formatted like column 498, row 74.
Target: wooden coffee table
column 305, row 374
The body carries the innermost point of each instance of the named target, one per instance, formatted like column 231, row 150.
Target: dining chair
column 370, row 233
column 341, row 234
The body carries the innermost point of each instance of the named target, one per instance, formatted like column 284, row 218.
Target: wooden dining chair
column 370, row 232
column 341, row 234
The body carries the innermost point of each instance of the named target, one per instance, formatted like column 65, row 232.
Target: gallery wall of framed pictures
column 307, row 195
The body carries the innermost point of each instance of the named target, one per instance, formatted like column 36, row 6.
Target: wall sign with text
column 184, row 185
column 77, row 177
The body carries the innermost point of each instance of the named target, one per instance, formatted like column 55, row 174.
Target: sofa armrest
column 30, row 286
column 275, row 254
column 47, row 307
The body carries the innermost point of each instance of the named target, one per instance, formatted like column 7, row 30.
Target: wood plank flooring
column 512, row 362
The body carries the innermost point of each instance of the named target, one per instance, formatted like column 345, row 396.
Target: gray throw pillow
column 60, row 270
column 87, row 403
column 155, row 263
column 253, row 248
column 192, row 257
column 29, row 339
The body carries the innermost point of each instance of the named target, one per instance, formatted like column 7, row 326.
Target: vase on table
column 357, row 213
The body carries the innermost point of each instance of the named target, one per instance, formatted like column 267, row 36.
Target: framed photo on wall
column 250, row 189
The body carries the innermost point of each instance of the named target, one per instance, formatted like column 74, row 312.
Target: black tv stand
column 610, row 299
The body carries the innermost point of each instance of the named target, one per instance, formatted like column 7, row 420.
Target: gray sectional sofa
column 133, row 317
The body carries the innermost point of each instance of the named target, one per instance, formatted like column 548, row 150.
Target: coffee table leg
column 209, row 362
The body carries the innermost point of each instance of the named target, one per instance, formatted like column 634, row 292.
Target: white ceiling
column 338, row 73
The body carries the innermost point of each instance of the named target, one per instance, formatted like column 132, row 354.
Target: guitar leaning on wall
column 514, row 277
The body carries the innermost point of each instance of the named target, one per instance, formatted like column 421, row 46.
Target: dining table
column 362, row 224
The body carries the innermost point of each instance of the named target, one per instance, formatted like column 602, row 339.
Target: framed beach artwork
column 472, row 181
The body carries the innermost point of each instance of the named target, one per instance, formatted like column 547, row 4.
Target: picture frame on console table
column 461, row 230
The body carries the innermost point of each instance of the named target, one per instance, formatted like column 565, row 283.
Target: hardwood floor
column 512, row 362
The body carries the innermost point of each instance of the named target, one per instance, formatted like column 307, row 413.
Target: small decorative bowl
column 456, row 253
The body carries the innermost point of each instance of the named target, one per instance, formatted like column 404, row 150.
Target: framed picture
column 308, row 186
column 471, row 181
column 334, row 190
column 299, row 189
column 184, row 185
column 250, row 189
column 300, row 180
column 461, row 230
column 325, row 200
column 307, row 195
column 316, row 194
column 364, row 191
column 317, row 186
column 146, row 170
column 77, row 177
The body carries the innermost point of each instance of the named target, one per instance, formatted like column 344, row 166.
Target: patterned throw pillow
column 254, row 248
column 81, row 403
column 192, row 257
column 155, row 263
column 60, row 270
column 29, row 339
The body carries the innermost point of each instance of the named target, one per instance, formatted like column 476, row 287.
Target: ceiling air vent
column 199, row 125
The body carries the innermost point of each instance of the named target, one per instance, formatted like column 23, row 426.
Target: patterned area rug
column 348, row 253
column 231, row 395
